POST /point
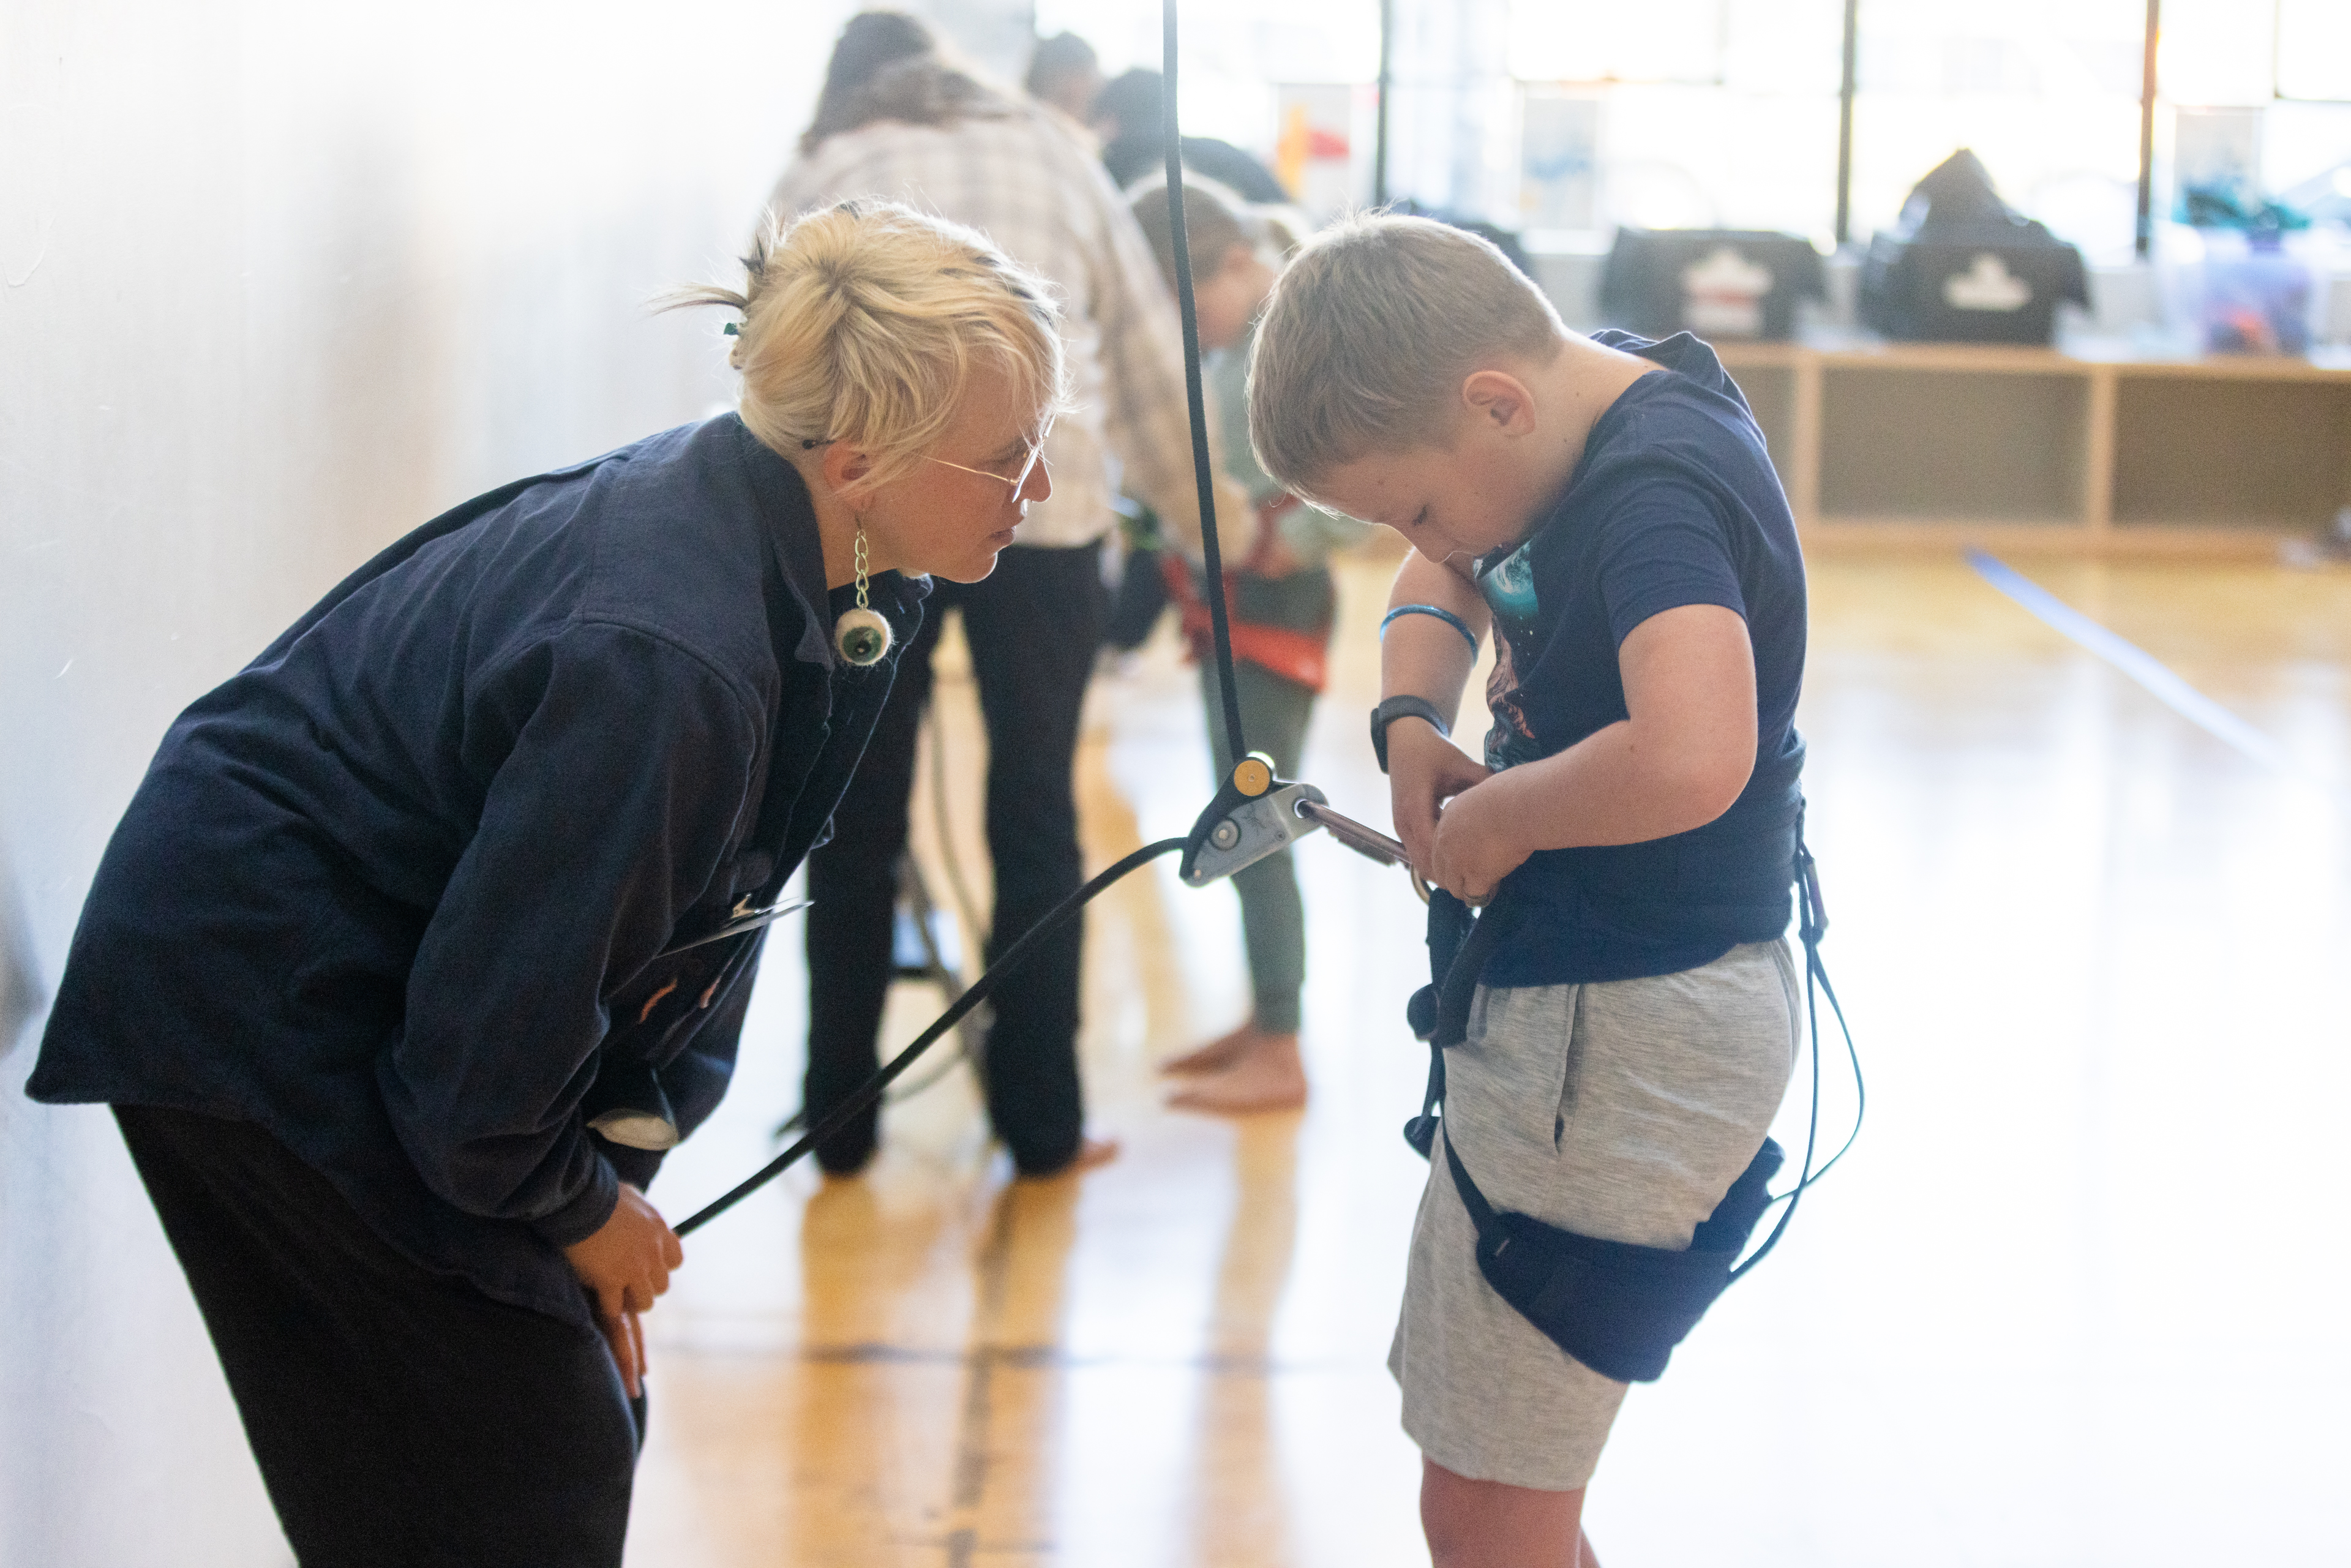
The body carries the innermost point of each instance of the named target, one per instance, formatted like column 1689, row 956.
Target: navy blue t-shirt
column 1673, row 502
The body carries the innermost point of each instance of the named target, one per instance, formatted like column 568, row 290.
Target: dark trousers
column 401, row 1418
column 1033, row 627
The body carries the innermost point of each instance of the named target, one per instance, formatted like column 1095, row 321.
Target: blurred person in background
column 898, row 120
column 1065, row 73
column 1128, row 116
column 1282, row 601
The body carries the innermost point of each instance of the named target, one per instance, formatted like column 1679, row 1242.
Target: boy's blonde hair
column 1370, row 332
column 862, row 322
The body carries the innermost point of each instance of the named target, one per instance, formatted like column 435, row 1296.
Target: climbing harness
column 1618, row 1308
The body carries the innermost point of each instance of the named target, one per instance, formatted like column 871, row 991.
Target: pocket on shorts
column 1512, row 1075
column 1571, row 1068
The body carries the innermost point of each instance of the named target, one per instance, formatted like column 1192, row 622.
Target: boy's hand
column 625, row 1264
column 1425, row 770
column 1479, row 841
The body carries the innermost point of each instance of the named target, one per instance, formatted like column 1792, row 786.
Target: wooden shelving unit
column 1941, row 443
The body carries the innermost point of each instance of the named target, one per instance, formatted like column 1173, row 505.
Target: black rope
column 912, row 889
column 1812, row 924
column 1011, row 959
column 1203, row 472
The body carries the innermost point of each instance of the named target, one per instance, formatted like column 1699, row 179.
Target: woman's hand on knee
column 625, row 1265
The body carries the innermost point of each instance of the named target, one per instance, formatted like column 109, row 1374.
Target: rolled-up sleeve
column 621, row 771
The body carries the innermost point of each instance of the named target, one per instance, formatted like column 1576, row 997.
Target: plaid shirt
column 1026, row 182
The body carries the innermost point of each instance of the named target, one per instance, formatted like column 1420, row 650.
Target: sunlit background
column 1723, row 113
column 278, row 281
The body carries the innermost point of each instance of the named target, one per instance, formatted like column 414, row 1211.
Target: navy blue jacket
column 396, row 892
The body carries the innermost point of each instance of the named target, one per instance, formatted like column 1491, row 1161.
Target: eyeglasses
column 1019, row 482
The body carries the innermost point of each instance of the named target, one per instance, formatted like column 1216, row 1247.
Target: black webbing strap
column 1460, row 941
column 1812, row 925
column 1195, row 396
column 1481, row 1213
column 1459, row 992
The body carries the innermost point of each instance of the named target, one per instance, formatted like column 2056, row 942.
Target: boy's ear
column 1499, row 402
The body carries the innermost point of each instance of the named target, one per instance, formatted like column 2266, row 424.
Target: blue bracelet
column 1441, row 613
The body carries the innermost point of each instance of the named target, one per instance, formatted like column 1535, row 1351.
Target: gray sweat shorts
column 1620, row 1109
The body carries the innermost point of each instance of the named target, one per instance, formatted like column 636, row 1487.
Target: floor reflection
column 2066, row 1282
column 1240, row 1512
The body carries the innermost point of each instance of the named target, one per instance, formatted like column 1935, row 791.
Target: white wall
column 278, row 281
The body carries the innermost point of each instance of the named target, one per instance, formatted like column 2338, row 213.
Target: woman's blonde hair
column 862, row 323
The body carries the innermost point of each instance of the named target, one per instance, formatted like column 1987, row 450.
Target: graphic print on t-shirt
column 1508, row 589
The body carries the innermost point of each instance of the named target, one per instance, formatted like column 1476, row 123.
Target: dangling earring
column 861, row 636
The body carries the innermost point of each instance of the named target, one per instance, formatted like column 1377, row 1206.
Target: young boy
column 1281, row 600
column 1607, row 507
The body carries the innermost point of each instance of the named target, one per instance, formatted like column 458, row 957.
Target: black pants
column 1033, row 627
column 401, row 1418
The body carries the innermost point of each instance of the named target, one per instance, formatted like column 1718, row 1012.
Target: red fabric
column 1300, row 656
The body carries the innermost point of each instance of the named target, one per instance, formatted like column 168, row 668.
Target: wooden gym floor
column 2076, row 1299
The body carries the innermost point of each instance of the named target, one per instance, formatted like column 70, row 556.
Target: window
column 1585, row 114
column 2314, row 50
column 1237, row 54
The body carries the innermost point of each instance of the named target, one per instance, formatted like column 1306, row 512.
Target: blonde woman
column 398, row 973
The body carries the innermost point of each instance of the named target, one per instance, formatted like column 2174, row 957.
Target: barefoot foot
column 1218, row 1053
column 1269, row 1078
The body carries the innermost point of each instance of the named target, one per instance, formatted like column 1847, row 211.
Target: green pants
column 1273, row 920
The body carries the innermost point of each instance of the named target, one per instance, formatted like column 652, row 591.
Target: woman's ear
column 846, row 467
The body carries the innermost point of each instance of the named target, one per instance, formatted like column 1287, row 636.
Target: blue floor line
column 2160, row 680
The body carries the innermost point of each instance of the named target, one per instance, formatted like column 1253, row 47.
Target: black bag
column 1961, row 267
column 1717, row 283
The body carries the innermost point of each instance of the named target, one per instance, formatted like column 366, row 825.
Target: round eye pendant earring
column 861, row 636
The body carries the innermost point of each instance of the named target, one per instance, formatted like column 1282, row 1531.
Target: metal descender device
column 1254, row 814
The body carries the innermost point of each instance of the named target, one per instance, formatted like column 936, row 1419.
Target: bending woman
column 393, row 970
